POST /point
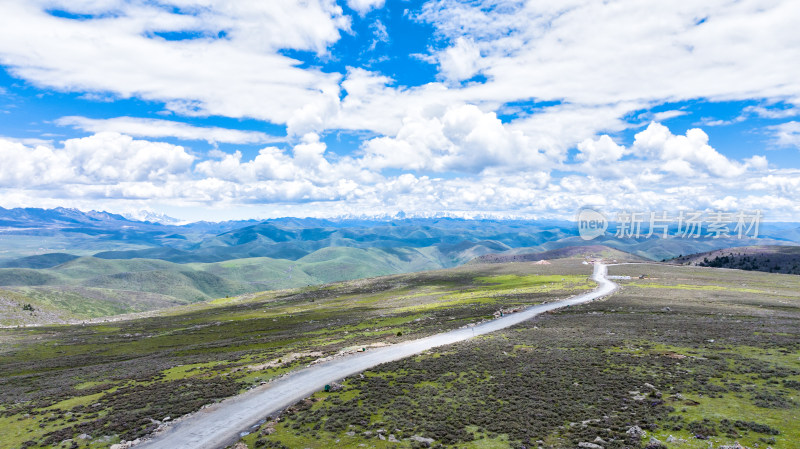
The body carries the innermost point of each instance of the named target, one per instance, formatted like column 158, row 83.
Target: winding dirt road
column 222, row 424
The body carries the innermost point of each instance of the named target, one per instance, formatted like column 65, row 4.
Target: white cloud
column 156, row 128
column 461, row 61
column 462, row 139
column 102, row 159
column 684, row 155
column 240, row 75
column 306, row 164
column 570, row 51
column 365, row 6
column 602, row 150
column 379, row 33
column 776, row 113
column 26, row 166
column 587, row 65
column 115, row 172
column 666, row 115
column 787, row 134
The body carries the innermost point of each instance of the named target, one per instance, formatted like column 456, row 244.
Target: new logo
column 591, row 224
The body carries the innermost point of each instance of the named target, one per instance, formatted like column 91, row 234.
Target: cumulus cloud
column 684, row 155
column 460, row 61
column 555, row 74
column 462, row 139
column 365, row 6
column 658, row 157
column 157, row 128
column 101, row 159
column 116, row 172
column 305, row 166
column 787, row 134
column 602, row 150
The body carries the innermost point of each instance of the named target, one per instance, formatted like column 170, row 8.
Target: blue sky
column 205, row 109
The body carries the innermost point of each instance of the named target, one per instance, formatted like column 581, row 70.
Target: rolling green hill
column 81, row 287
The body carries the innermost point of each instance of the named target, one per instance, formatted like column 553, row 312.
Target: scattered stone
column 589, row 446
column 599, row 440
column 650, row 386
column 350, row 433
column 84, row 436
column 735, row 445
column 125, row 444
column 367, row 433
column 380, row 435
column 636, row 432
column 423, row 440
column 393, row 439
column 654, row 443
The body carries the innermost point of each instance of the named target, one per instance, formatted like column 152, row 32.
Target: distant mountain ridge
column 99, row 263
column 451, row 240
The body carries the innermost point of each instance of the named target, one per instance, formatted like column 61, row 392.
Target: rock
column 650, row 386
column 589, row 446
column 239, row 445
column 423, row 440
column 599, row 440
column 636, row 432
column 350, row 433
column 84, row 436
column 367, row 433
column 392, row 439
column 380, row 435
column 735, row 445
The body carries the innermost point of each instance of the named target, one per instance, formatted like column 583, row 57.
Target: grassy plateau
column 97, row 384
column 682, row 358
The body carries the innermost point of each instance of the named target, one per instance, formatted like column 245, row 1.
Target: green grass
column 729, row 351
column 149, row 284
column 59, row 369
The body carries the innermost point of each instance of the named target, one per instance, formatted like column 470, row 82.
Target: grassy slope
column 720, row 348
column 777, row 259
column 151, row 283
column 586, row 251
column 172, row 364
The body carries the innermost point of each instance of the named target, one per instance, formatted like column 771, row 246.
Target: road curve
column 222, row 423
